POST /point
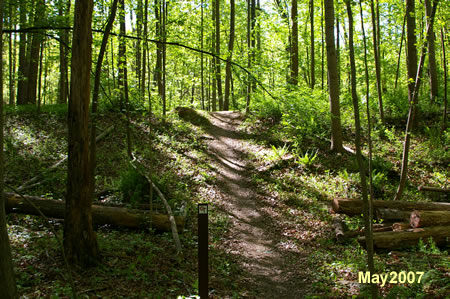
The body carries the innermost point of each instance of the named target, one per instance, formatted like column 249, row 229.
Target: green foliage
column 307, row 159
column 277, row 153
column 133, row 186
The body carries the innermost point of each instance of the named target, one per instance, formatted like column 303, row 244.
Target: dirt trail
column 255, row 240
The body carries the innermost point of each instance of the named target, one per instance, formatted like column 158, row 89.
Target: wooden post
column 203, row 250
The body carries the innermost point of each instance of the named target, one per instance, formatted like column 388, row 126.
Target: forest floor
column 272, row 269
column 270, row 221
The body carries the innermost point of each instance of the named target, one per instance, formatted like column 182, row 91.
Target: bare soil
column 270, row 268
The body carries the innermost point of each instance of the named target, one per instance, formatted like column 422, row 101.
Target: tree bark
column 80, row 242
column 101, row 215
column 362, row 171
column 413, row 100
column 400, row 52
column 392, row 214
column 313, row 63
column 411, row 55
column 377, row 62
column 98, row 71
column 333, row 80
column 63, row 58
column 23, row 65
column 432, row 69
column 429, row 218
column 403, row 239
column 217, row 52
column 294, row 44
column 354, row 206
column 7, row 279
column 444, row 60
column 226, row 103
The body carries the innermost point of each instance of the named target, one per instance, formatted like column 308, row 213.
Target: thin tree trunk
column 98, row 71
column 41, row 56
column 294, row 46
column 164, row 20
column 369, row 118
column 362, row 171
column 400, row 52
column 201, row 59
column 226, row 103
column 33, row 63
column 159, row 50
column 23, row 66
column 431, row 58
column 412, row 97
column 145, row 51
column 80, row 242
column 444, row 62
column 333, row 80
column 63, row 59
column 7, row 279
column 139, row 23
column 217, row 44
column 377, row 62
column 338, row 44
column 323, row 46
column 313, row 63
column 249, row 58
column 11, row 56
column 411, row 54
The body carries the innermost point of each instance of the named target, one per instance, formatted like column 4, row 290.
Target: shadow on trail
column 254, row 242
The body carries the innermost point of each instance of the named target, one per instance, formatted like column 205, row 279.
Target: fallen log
column 338, row 225
column 433, row 189
column 411, row 237
column 355, row 206
column 392, row 214
column 118, row 217
column 399, row 226
column 361, row 232
column 429, row 218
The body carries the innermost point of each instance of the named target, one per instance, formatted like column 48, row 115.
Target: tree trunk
column 144, row 52
column 429, row 218
column 400, row 52
column 80, row 242
column 217, row 37
column 63, row 58
column 403, row 239
column 354, row 206
column 377, row 62
column 444, row 60
column 333, row 80
column 101, row 215
column 159, row 48
column 322, row 46
column 41, row 57
column 202, row 81
column 98, row 71
column 392, row 214
column 249, row 57
column 362, row 171
column 294, row 46
column 432, row 69
column 413, row 100
column 7, row 279
column 411, row 54
column 23, row 65
column 313, row 63
column 226, row 103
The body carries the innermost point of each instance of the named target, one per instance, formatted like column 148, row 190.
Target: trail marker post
column 203, row 250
